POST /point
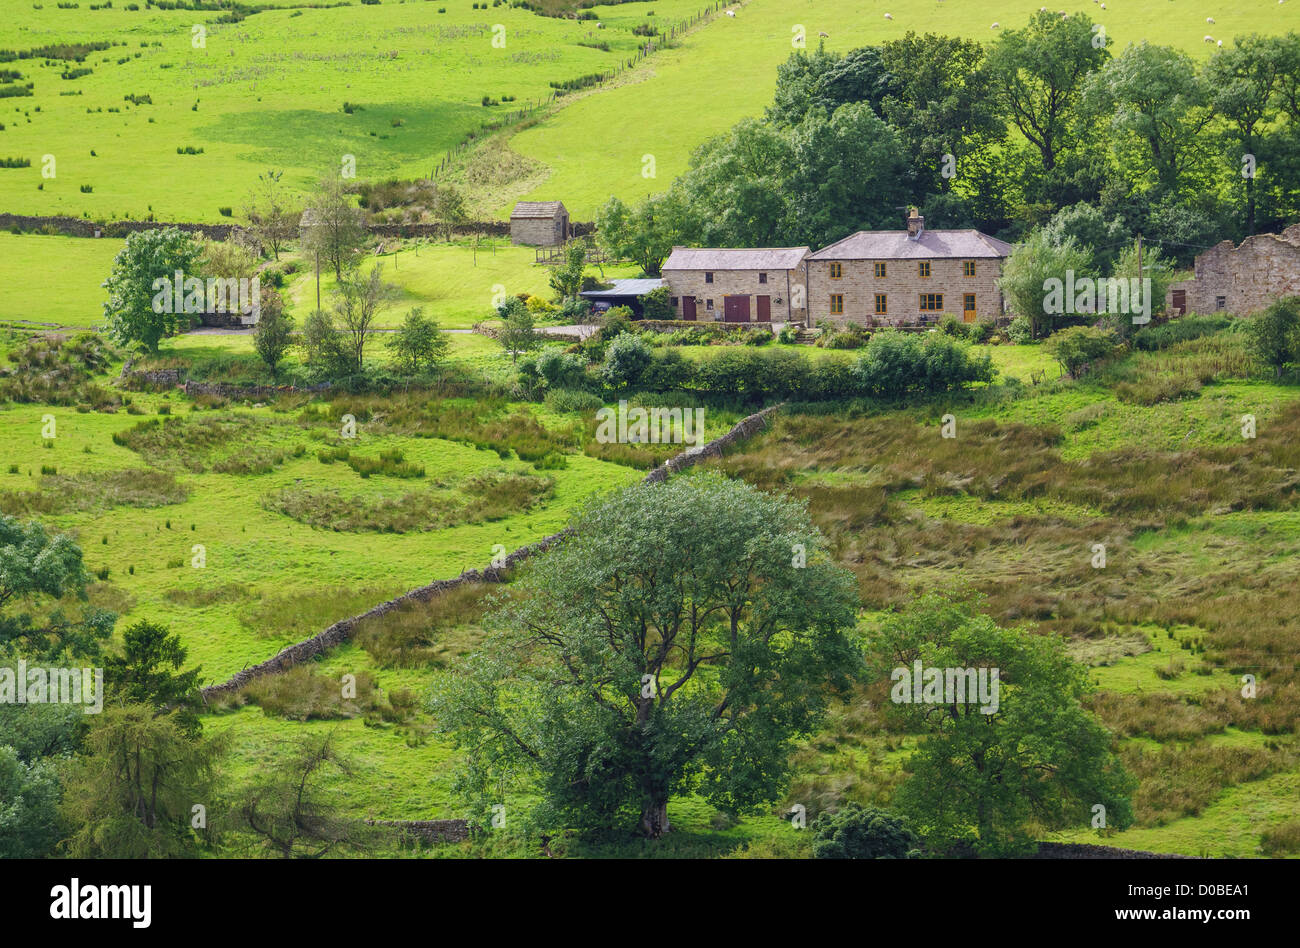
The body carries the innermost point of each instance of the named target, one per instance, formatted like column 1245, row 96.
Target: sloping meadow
column 1174, row 573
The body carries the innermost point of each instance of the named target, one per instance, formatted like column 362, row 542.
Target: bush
column 1079, row 347
column 668, row 370
column 562, row 369
column 626, row 358
column 898, row 363
column 849, row 336
column 1275, row 334
column 857, row 832
column 981, row 330
column 1021, row 331
column 656, row 304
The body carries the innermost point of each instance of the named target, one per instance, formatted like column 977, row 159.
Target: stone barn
column 539, row 223
column 1240, row 280
column 736, row 285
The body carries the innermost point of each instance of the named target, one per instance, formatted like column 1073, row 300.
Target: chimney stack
column 915, row 223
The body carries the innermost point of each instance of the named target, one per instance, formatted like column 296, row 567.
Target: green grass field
column 269, row 92
column 55, row 279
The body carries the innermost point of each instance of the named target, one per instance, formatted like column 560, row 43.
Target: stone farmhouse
column 874, row 278
column 540, row 223
column 737, row 286
column 907, row 277
column 1240, row 280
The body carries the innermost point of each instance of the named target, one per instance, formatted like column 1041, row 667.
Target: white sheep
column 889, row 16
column 731, row 13
column 1220, row 42
column 1103, row 6
column 1208, row 38
column 1209, row 19
column 994, row 26
column 823, row 33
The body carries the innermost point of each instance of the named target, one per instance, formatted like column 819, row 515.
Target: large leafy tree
column 29, row 797
column 1038, row 74
column 847, row 175
column 1158, row 106
column 942, row 102
column 681, row 638
column 982, row 780
column 737, row 184
column 129, row 312
column 1244, row 80
column 827, row 80
column 646, row 233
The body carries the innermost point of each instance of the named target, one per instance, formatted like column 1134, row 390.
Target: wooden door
column 1179, row 301
column 735, row 309
column 764, row 309
column 688, row 307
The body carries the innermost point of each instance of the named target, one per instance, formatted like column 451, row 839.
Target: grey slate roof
column 624, row 288
column 896, row 245
column 726, row 258
column 544, row 209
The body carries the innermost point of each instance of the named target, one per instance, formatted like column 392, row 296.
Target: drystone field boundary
column 342, row 630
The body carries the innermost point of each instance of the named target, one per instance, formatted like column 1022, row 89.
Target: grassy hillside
column 727, row 71
column 269, row 91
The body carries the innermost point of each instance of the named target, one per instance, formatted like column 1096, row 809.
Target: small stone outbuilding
column 539, row 223
column 1240, row 280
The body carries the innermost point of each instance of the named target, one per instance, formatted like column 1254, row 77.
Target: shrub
column 1021, row 330
column 858, row 832
column 668, row 370
column 626, row 359
column 898, row 363
column 1275, row 334
column 1079, row 347
column 656, row 304
column 562, row 369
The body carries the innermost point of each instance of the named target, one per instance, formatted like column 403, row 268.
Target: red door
column 735, row 309
column 764, row 309
column 688, row 307
column 1179, row 301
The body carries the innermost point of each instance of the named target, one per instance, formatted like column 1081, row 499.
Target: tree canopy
column 680, row 639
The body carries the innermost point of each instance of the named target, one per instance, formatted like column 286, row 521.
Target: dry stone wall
column 342, row 630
